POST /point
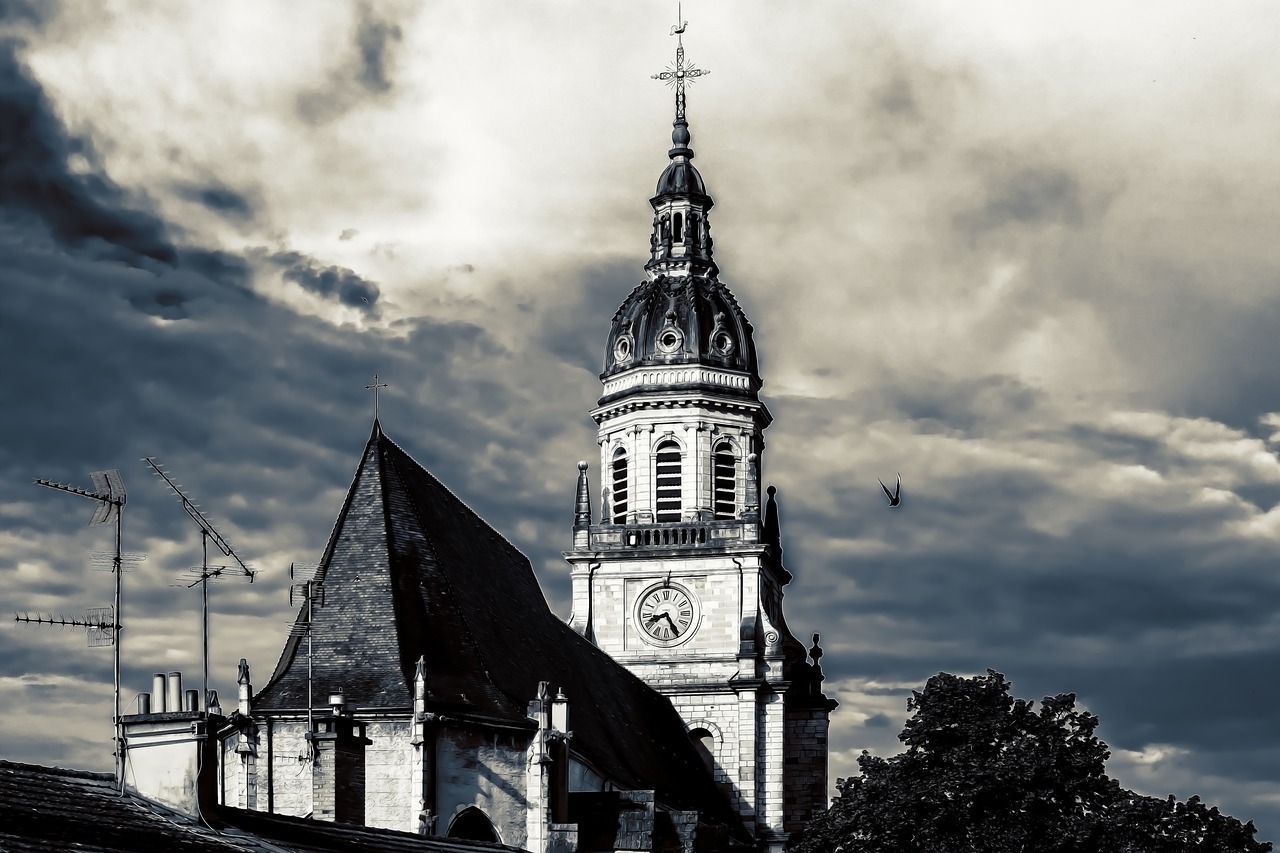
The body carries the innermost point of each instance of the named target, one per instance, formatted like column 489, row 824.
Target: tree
column 984, row 771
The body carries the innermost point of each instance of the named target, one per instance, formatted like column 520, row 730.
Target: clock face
column 667, row 614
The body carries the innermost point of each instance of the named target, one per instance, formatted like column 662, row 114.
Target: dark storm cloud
column 364, row 71
column 328, row 281
column 83, row 211
column 1023, row 195
column 28, row 12
column 221, row 200
column 374, row 40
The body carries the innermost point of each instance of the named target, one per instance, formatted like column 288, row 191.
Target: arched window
column 619, row 493
column 704, row 743
column 667, row 469
column 724, row 464
column 473, row 824
column 678, row 230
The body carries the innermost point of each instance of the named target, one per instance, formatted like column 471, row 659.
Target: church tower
column 681, row 577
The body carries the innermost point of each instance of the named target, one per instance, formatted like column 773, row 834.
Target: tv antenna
column 102, row 624
column 304, row 586
column 204, row 572
column 99, row 624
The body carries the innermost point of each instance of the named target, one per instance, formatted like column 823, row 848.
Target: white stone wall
column 238, row 776
column 389, row 800
column 290, row 784
column 486, row 771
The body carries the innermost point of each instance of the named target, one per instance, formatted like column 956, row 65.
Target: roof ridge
column 53, row 770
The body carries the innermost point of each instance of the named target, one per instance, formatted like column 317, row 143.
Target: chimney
column 337, row 773
column 239, row 745
column 169, row 756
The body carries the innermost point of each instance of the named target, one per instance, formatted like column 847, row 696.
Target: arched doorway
column 472, row 824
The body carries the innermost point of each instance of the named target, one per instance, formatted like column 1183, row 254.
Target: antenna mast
column 305, row 585
column 205, row 572
column 108, row 491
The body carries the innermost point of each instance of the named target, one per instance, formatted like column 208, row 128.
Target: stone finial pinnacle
column 582, row 506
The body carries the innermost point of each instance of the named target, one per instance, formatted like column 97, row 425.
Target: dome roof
column 681, row 320
column 681, row 177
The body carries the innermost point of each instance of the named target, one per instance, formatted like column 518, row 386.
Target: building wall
column 484, row 770
column 288, row 791
column 806, row 765
column 389, row 798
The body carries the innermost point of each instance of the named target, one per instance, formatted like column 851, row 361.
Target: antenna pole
column 207, row 532
column 310, row 701
column 204, row 603
column 118, row 732
column 109, row 492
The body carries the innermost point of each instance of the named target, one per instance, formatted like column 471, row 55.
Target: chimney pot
column 336, row 702
column 144, row 703
column 173, row 698
column 158, row 690
column 193, row 700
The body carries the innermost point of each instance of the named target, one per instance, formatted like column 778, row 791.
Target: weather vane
column 375, row 385
column 678, row 73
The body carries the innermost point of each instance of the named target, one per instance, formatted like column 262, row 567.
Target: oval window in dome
column 669, row 340
column 722, row 343
column 622, row 348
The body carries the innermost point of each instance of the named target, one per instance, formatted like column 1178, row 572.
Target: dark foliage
column 986, row 772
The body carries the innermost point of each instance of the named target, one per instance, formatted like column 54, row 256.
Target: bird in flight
column 895, row 497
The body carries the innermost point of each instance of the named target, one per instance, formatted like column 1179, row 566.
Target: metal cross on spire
column 677, row 74
column 375, row 385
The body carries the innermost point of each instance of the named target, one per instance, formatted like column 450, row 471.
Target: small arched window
column 619, row 492
column 678, row 231
column 667, row 470
column 704, row 743
column 724, row 464
column 473, row 824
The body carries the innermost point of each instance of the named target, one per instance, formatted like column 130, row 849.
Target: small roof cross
column 376, row 385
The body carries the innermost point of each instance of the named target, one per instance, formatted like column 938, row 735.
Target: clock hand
column 674, row 630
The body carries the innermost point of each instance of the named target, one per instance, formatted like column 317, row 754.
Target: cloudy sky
column 1023, row 253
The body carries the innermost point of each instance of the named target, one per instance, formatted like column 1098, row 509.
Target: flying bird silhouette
column 895, row 497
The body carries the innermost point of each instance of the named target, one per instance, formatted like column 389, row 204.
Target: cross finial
column 678, row 73
column 375, row 385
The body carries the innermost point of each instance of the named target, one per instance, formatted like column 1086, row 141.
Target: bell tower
column 681, row 577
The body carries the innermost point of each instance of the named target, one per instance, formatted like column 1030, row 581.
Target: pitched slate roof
column 48, row 808
column 411, row 571
column 52, row 809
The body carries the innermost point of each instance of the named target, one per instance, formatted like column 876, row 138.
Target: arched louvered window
column 667, row 470
column 724, row 464
column 619, row 487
